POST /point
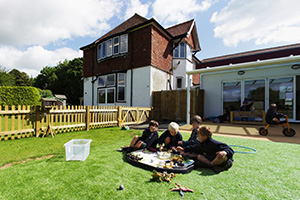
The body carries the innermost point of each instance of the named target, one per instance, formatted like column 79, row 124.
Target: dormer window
column 114, row 46
column 179, row 50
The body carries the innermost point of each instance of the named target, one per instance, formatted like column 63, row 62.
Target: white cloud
column 265, row 22
column 33, row 59
column 40, row 22
column 135, row 6
column 169, row 12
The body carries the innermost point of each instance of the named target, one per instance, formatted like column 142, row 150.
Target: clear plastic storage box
column 77, row 149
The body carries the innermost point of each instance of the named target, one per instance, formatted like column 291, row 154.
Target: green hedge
column 19, row 95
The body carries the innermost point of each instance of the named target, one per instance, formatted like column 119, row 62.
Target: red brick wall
column 88, row 62
column 161, row 51
column 149, row 47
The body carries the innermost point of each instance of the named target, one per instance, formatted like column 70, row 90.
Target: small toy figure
column 160, row 177
column 181, row 189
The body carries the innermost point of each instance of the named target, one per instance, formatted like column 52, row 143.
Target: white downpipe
column 188, row 100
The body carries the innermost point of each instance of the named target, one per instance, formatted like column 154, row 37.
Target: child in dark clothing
column 170, row 137
column 246, row 106
column 196, row 122
column 148, row 139
column 273, row 117
column 209, row 152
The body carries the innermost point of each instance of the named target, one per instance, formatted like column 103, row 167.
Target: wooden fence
column 171, row 105
column 27, row 121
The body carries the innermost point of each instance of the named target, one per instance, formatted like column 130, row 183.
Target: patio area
column 247, row 131
column 250, row 131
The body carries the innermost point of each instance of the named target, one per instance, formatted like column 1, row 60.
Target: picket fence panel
column 26, row 121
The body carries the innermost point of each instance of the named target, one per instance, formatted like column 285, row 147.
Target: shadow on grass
column 205, row 172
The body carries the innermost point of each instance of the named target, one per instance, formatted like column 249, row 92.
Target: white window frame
column 104, row 49
column 123, row 85
column 114, row 82
column 109, row 49
column 123, row 43
column 116, row 45
column 99, row 51
column 179, row 47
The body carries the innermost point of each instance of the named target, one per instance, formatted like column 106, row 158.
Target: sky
column 39, row 33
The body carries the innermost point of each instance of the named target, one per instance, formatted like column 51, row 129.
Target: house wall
column 87, row 90
column 212, row 83
column 161, row 51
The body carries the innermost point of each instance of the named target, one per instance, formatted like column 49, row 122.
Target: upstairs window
column 116, row 45
column 103, row 50
column 179, row 50
column 99, row 51
column 124, row 43
column 113, row 46
column 109, row 47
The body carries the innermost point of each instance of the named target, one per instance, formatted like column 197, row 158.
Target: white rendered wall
column 87, row 91
column 212, row 83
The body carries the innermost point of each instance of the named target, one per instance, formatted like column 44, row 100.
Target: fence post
column 119, row 116
column 87, row 121
column 37, row 120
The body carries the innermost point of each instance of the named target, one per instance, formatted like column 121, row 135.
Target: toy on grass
column 160, row 177
column 181, row 189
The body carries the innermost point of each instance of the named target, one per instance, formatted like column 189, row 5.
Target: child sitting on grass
column 196, row 122
column 208, row 152
column 170, row 137
column 148, row 139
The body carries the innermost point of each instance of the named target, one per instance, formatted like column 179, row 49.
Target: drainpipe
column 188, row 100
column 131, row 67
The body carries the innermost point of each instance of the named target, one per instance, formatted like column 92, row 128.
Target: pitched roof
column 248, row 56
column 180, row 29
column 136, row 20
column 131, row 22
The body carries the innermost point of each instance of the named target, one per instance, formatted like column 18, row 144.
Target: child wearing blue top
column 170, row 137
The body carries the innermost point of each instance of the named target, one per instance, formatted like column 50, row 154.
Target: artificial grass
column 271, row 173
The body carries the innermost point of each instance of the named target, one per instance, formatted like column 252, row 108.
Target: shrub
column 19, row 95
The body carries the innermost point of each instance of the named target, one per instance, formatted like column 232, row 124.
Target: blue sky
column 39, row 33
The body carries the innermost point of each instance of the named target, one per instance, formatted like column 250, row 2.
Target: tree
column 65, row 78
column 5, row 78
column 21, row 78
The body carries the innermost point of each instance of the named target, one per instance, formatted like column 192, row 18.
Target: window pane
column 121, row 79
column 103, row 49
column 232, row 95
column 124, row 42
column 116, row 45
column 179, row 83
column 182, row 50
column 281, row 92
column 255, row 91
column 99, row 51
column 101, row 96
column 110, row 80
column 176, row 51
column 121, row 93
column 109, row 48
column 111, row 95
column 101, row 81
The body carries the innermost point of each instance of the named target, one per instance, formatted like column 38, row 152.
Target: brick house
column 137, row 57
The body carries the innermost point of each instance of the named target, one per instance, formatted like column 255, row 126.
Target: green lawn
column 272, row 173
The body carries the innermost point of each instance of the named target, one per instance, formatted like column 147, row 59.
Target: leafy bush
column 19, row 95
column 45, row 93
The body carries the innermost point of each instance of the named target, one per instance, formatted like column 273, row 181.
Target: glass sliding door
column 255, row 91
column 281, row 92
column 231, row 95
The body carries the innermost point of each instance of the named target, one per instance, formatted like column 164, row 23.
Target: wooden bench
column 249, row 117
